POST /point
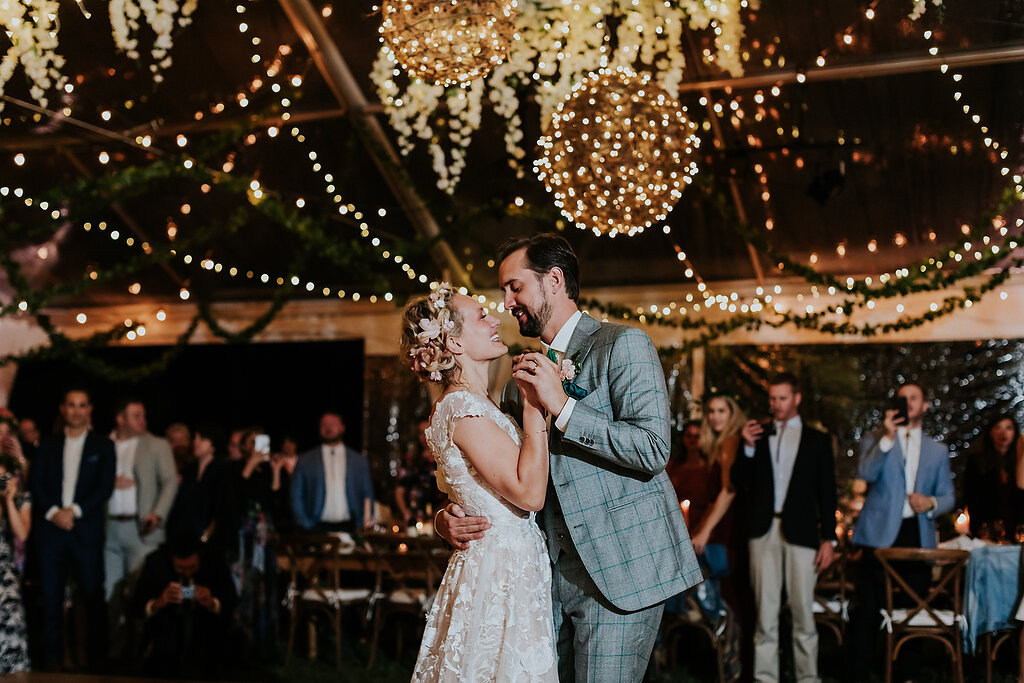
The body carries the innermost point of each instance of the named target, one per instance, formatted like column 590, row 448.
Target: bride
column 491, row 619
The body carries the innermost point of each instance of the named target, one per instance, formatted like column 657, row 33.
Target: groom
column 614, row 530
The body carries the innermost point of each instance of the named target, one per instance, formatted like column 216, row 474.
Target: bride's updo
column 426, row 325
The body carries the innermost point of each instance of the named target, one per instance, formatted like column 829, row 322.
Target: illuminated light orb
column 449, row 42
column 618, row 153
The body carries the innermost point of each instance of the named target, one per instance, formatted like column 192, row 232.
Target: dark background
column 282, row 387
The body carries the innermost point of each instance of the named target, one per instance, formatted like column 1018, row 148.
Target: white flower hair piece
column 430, row 329
column 438, row 296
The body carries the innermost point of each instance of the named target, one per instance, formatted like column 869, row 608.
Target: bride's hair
column 427, row 323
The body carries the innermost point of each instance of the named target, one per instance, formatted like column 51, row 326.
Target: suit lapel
column 580, row 341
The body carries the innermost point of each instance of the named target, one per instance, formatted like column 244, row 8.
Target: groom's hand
column 452, row 524
column 537, row 371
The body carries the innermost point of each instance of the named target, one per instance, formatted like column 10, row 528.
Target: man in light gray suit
column 615, row 533
column 144, row 488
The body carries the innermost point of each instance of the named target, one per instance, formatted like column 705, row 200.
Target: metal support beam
column 734, row 190
column 155, row 129
column 329, row 60
column 1013, row 52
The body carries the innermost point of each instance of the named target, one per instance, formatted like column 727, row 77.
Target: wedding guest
column 910, row 484
column 15, row 523
column 416, row 492
column 29, row 431
column 688, row 471
column 72, row 479
column 234, row 449
column 144, row 488
column 187, row 599
column 195, row 506
column 331, row 488
column 787, row 472
column 993, row 485
column 180, row 439
column 260, row 500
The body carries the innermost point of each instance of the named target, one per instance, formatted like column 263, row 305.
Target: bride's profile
column 491, row 619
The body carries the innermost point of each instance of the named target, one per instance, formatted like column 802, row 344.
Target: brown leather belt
column 123, row 518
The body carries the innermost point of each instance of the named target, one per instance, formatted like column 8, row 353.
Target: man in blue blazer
column 72, row 478
column 910, row 485
column 331, row 488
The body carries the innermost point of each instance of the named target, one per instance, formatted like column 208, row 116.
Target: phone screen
column 262, row 444
column 899, row 403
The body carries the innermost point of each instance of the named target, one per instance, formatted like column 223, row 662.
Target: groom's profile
column 615, row 533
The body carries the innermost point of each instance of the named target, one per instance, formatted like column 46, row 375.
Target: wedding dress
column 491, row 619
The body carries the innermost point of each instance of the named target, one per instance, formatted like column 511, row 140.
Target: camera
column 4, row 478
column 188, row 592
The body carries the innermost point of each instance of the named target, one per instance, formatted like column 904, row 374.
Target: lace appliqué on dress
column 491, row 619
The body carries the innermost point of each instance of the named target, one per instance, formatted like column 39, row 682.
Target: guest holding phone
column 261, row 499
column 910, row 484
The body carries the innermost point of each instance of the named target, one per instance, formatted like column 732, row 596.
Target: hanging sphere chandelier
column 617, row 153
column 448, row 42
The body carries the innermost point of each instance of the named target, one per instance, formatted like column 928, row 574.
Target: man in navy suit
column 72, row 478
column 911, row 484
column 331, row 488
column 787, row 476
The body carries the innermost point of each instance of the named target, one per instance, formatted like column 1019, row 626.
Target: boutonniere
column 568, row 369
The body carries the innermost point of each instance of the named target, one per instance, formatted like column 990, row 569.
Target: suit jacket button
column 560, row 536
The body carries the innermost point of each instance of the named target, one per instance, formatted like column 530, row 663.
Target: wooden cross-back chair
column 938, row 615
column 326, row 580
column 832, row 596
column 409, row 572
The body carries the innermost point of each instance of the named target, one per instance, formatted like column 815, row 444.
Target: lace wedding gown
column 491, row 619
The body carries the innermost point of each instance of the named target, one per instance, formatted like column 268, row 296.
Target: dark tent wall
column 280, row 386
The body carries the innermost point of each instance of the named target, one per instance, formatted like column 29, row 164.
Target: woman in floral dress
column 15, row 519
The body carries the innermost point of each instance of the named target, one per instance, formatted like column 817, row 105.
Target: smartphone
column 262, row 444
column 188, row 592
column 899, row 404
column 769, row 428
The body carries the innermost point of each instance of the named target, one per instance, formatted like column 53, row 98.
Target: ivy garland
column 83, row 198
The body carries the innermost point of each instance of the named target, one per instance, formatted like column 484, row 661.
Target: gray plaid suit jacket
column 608, row 471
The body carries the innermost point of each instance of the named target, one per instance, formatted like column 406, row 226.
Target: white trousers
column 776, row 564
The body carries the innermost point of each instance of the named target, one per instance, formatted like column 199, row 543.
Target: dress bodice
column 456, row 475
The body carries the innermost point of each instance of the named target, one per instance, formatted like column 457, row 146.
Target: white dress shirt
column 559, row 344
column 782, row 446
column 73, row 447
column 910, row 446
column 124, row 501
column 335, row 500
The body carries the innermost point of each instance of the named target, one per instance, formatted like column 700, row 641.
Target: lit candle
column 685, row 507
column 963, row 523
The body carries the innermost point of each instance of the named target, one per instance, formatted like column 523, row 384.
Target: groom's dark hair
column 544, row 252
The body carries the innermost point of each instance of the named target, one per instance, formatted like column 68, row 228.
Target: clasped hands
column 540, row 381
column 64, row 518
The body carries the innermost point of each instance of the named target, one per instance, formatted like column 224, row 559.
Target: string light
column 617, row 153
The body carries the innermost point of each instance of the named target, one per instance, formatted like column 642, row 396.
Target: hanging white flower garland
column 33, row 31
column 558, row 44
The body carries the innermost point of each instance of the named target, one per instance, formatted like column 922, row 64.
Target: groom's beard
column 533, row 324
